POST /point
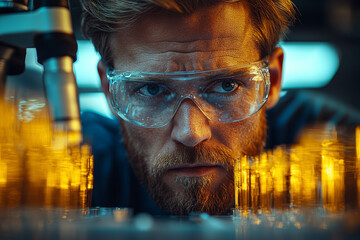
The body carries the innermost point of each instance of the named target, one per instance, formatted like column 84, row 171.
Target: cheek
column 241, row 136
column 148, row 142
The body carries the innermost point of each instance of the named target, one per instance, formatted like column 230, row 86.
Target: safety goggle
column 151, row 100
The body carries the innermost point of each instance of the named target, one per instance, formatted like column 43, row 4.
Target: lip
column 194, row 170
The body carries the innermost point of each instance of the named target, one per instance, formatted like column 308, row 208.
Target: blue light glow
column 95, row 102
column 309, row 64
column 85, row 68
column 306, row 64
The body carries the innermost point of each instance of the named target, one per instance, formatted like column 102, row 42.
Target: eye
column 151, row 89
column 224, row 86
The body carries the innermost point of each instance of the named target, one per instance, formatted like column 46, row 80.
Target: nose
column 190, row 125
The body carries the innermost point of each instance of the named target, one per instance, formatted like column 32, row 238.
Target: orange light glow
column 357, row 136
column 332, row 175
column 309, row 174
column 32, row 171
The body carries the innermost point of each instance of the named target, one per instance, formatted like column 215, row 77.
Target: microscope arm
column 20, row 29
column 49, row 29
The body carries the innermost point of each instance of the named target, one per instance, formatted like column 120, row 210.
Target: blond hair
column 270, row 19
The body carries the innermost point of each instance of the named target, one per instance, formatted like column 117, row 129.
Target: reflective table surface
column 104, row 223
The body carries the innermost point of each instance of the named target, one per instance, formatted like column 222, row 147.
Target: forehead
column 211, row 37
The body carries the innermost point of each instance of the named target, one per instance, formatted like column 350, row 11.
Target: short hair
column 270, row 19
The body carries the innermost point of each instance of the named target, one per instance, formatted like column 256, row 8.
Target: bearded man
column 189, row 81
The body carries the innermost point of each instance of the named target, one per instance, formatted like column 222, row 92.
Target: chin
column 184, row 195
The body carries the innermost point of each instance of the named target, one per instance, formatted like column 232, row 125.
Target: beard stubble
column 198, row 194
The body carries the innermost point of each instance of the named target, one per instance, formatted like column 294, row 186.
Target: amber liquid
column 322, row 170
column 34, row 172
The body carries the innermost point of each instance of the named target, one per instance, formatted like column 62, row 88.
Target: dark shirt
column 115, row 184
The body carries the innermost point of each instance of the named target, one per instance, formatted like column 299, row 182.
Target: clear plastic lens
column 226, row 95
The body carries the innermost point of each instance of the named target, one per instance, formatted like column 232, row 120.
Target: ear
column 276, row 66
column 101, row 67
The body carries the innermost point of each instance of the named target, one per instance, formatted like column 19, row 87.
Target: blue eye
column 225, row 86
column 151, row 89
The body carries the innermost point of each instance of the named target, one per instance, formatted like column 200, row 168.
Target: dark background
column 333, row 21
column 337, row 22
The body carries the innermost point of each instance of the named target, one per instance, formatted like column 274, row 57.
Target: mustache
column 221, row 156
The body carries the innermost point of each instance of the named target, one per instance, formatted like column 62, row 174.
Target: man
column 190, row 82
